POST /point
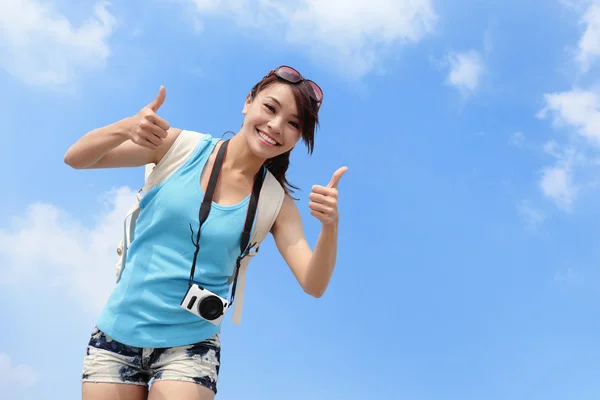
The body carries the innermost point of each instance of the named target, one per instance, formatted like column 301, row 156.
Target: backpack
column 269, row 204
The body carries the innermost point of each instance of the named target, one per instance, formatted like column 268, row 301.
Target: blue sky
column 468, row 257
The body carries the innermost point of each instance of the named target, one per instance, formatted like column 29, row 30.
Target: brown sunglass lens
column 289, row 74
column 317, row 92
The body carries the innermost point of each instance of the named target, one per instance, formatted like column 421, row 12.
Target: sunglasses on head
column 291, row 75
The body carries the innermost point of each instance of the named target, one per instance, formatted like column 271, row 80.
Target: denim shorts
column 108, row 361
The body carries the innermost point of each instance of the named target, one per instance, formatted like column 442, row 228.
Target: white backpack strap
column 269, row 204
column 130, row 217
column 181, row 149
column 147, row 171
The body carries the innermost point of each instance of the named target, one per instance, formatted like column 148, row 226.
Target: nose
column 276, row 125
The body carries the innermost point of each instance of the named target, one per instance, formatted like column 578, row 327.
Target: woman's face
column 271, row 125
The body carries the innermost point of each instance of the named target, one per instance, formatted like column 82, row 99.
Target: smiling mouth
column 266, row 138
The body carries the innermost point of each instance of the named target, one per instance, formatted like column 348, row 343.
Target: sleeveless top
column 144, row 308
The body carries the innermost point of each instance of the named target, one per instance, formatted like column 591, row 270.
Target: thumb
column 337, row 175
column 159, row 100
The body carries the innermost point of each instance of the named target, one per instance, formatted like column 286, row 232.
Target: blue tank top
column 144, row 308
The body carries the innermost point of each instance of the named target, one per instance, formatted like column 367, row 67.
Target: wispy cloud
column 557, row 184
column 557, row 181
column 517, row 139
column 578, row 113
column 575, row 112
column 532, row 217
column 47, row 243
column 589, row 44
column 466, row 70
column 40, row 46
column 568, row 278
column 18, row 376
column 350, row 34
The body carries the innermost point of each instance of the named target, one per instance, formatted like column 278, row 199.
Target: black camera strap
column 205, row 208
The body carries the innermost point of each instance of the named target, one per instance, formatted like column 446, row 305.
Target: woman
column 143, row 334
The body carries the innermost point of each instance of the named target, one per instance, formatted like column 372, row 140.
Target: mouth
column 266, row 139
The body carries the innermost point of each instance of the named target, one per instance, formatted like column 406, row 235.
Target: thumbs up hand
column 146, row 128
column 324, row 199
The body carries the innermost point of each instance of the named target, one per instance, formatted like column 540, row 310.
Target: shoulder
column 178, row 138
column 288, row 205
column 289, row 212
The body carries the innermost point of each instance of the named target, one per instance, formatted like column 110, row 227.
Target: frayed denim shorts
column 108, row 361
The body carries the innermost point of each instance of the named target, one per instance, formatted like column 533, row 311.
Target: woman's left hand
column 324, row 199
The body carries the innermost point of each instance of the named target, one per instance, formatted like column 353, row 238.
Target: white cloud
column 46, row 244
column 466, row 70
column 552, row 147
column 19, row 376
column 578, row 112
column 557, row 184
column 579, row 109
column 350, row 34
column 589, row 44
column 40, row 46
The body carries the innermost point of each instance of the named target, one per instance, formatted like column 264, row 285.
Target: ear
column 247, row 104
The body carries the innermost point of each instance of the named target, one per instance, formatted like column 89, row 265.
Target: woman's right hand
column 146, row 128
column 131, row 142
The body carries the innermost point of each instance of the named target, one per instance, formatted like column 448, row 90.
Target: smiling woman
column 162, row 322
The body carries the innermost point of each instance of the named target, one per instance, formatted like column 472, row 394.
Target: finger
column 158, row 131
column 325, row 191
column 320, row 198
column 145, row 143
column 319, row 207
column 158, row 121
column 319, row 215
column 152, row 138
column 337, row 175
column 159, row 100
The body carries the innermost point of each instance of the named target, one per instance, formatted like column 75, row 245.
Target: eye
column 270, row 107
column 294, row 124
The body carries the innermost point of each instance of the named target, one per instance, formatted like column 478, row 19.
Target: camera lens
column 211, row 307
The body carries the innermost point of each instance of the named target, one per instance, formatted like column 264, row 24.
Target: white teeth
column 266, row 138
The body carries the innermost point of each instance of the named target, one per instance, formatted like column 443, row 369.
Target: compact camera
column 205, row 304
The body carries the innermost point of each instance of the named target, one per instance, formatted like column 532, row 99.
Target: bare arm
column 134, row 141
column 312, row 269
column 126, row 154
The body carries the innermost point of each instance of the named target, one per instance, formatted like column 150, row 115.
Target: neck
column 240, row 158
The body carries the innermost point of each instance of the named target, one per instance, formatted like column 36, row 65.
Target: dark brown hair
column 308, row 121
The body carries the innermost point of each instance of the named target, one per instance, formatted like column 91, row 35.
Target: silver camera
column 205, row 304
